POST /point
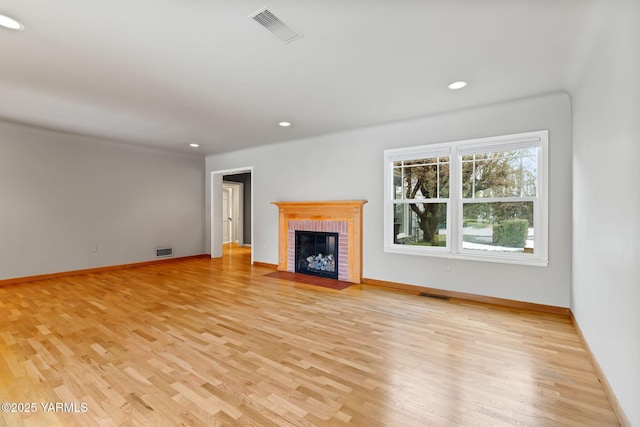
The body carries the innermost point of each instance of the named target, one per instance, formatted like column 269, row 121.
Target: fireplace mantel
column 349, row 211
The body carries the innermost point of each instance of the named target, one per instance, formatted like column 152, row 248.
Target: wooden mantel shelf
column 331, row 208
column 334, row 210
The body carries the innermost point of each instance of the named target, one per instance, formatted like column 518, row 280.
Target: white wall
column 60, row 194
column 606, row 219
column 306, row 170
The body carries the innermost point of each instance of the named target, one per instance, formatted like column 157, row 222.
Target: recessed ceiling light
column 457, row 85
column 284, row 124
column 10, row 23
column 194, row 145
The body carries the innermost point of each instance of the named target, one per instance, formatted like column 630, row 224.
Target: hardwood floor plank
column 203, row 342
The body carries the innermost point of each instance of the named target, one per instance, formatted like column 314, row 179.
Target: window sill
column 443, row 253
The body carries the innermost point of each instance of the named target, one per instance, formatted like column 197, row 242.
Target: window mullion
column 438, row 178
column 473, row 176
column 455, row 194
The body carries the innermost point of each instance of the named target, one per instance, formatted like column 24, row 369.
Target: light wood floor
column 215, row 342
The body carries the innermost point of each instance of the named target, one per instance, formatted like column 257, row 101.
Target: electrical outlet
column 94, row 249
column 447, row 266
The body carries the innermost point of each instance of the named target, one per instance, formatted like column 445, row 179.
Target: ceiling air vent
column 267, row 19
column 163, row 252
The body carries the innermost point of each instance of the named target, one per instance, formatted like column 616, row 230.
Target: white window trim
column 454, row 247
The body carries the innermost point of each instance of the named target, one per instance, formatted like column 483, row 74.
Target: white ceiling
column 170, row 72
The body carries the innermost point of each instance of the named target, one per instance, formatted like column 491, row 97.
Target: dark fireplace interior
column 317, row 253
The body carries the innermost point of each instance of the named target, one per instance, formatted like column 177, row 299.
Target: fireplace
column 316, row 253
column 343, row 217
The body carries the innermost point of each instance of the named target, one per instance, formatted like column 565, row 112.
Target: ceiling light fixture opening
column 193, row 145
column 457, row 85
column 10, row 23
column 284, row 124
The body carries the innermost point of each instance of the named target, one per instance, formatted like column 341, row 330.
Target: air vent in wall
column 267, row 19
column 163, row 252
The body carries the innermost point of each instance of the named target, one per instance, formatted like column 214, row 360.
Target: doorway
column 231, row 197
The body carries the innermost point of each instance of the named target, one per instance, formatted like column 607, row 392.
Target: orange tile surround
column 335, row 210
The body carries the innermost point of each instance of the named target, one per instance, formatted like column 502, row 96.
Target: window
column 481, row 199
column 421, row 197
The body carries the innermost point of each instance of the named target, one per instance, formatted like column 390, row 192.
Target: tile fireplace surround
column 341, row 216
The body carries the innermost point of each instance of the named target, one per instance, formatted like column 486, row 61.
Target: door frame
column 216, row 207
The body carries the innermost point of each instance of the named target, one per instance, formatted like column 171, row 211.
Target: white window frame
column 454, row 244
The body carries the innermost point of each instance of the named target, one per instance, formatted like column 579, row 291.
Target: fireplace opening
column 317, row 253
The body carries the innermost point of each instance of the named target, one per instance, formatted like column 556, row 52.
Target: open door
column 227, row 214
column 232, row 212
